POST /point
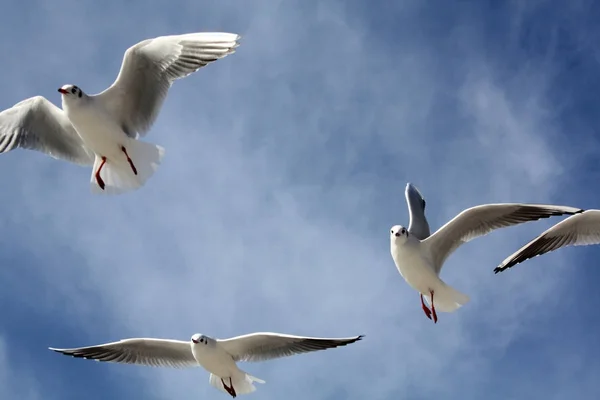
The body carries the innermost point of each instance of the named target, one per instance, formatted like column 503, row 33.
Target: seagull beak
column 397, row 234
column 63, row 91
column 195, row 341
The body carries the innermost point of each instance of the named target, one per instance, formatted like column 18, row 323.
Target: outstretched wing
column 578, row 230
column 149, row 69
column 265, row 345
column 150, row 352
column 37, row 124
column 481, row 220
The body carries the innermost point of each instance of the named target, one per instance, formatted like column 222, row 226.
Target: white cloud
column 285, row 167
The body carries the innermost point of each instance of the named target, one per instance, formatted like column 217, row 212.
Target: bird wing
column 418, row 225
column 141, row 351
column 481, row 220
column 37, row 124
column 149, row 69
column 265, row 345
column 579, row 230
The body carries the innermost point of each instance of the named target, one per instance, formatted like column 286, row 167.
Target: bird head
column 398, row 234
column 198, row 338
column 70, row 92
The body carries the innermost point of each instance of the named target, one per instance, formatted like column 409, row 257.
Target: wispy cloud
column 284, row 170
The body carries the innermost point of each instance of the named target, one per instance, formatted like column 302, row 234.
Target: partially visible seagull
column 103, row 129
column 217, row 356
column 578, row 230
column 417, row 225
column 420, row 261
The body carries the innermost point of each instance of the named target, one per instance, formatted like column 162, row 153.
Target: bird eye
column 392, row 231
column 403, row 231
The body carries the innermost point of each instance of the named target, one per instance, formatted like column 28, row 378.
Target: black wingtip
column 580, row 211
column 360, row 337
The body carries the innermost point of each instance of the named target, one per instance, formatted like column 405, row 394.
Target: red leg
column 426, row 309
column 229, row 388
column 433, row 308
column 98, row 178
column 129, row 160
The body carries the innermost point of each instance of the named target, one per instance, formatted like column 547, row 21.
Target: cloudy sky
column 285, row 167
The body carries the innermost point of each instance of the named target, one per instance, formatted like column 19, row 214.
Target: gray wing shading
column 150, row 352
column 149, row 69
column 578, row 230
column 37, row 124
column 481, row 220
column 418, row 225
column 265, row 345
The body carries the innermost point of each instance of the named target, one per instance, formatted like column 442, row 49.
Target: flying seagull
column 417, row 225
column 217, row 356
column 578, row 230
column 102, row 129
column 420, row 261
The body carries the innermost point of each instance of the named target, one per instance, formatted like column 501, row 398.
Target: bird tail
column 119, row 176
column 446, row 298
column 242, row 383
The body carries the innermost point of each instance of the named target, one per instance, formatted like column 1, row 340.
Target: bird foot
column 133, row 168
column 431, row 314
column 99, row 179
column 229, row 388
column 426, row 309
column 433, row 308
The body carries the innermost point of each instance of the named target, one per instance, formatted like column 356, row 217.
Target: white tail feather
column 118, row 176
column 446, row 298
column 242, row 384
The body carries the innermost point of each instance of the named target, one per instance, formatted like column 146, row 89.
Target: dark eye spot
column 73, row 90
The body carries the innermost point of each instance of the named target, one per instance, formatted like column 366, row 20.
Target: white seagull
column 420, row 261
column 217, row 356
column 103, row 129
column 578, row 230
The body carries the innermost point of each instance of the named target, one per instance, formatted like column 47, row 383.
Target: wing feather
column 578, row 230
column 141, row 351
column 481, row 220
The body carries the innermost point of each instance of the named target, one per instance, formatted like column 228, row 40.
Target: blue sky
column 285, row 167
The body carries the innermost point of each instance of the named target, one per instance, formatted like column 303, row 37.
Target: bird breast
column 97, row 128
column 415, row 269
column 214, row 359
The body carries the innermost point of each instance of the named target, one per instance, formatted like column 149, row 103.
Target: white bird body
column 215, row 359
column 98, row 131
column 414, row 261
column 414, row 266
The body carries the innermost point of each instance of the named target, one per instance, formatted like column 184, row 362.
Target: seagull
column 102, row 129
column 217, row 356
column 420, row 261
column 578, row 230
column 418, row 225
